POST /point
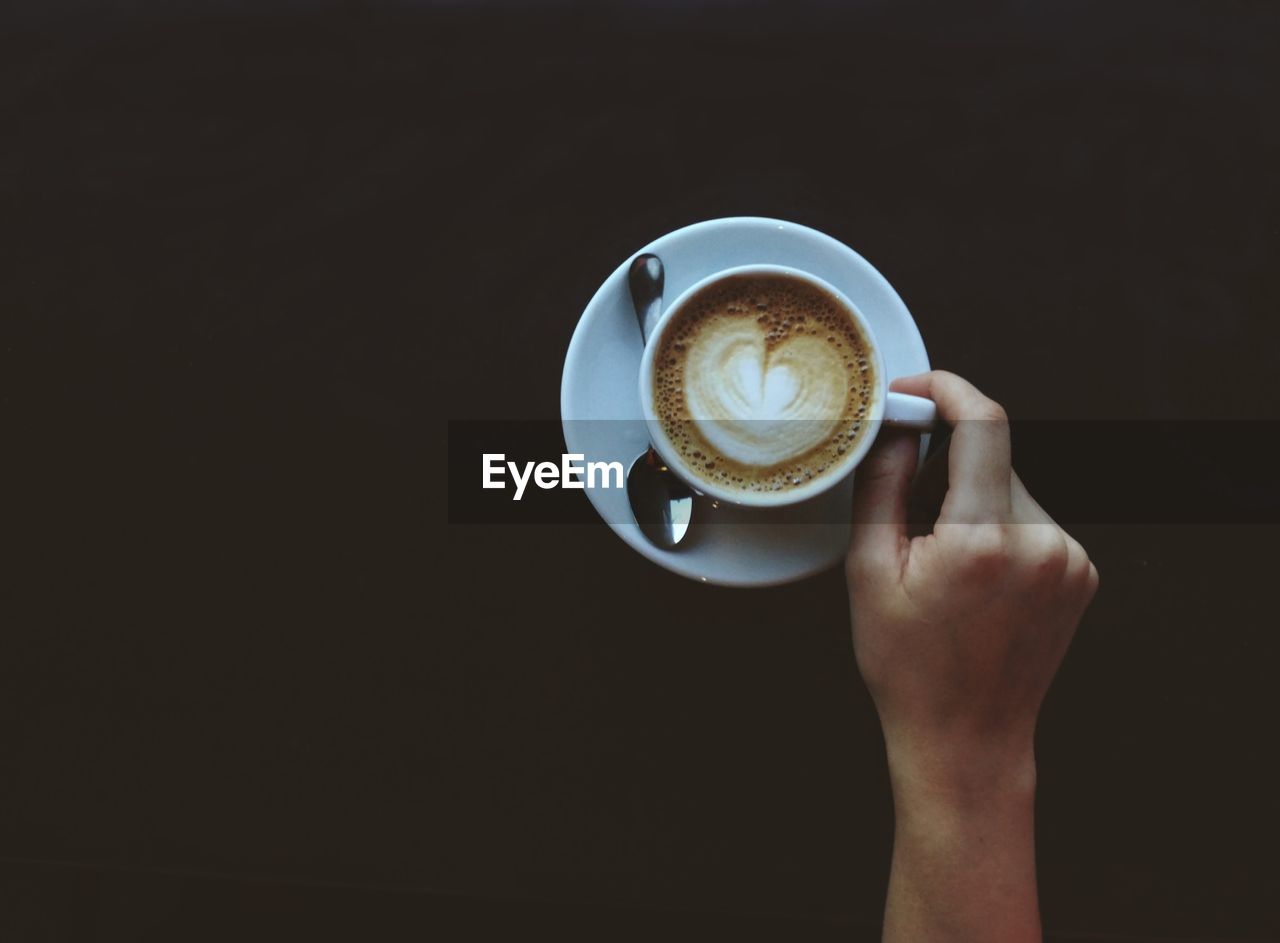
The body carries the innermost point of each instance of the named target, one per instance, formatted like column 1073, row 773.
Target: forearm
column 964, row 853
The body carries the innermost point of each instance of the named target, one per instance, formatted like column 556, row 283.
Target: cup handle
column 910, row 412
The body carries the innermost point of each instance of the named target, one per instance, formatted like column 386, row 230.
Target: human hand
column 957, row 634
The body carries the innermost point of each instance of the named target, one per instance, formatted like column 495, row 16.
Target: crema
column 762, row 382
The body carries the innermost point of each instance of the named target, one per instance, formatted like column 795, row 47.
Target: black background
column 255, row 256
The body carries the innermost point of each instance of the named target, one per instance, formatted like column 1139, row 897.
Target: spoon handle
column 646, row 282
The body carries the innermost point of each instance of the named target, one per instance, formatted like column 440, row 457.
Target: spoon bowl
column 661, row 503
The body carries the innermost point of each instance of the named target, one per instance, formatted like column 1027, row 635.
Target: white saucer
column 601, row 413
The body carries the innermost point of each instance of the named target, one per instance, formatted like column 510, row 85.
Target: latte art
column 758, row 406
column 763, row 382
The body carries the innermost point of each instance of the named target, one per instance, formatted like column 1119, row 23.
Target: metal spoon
column 661, row 503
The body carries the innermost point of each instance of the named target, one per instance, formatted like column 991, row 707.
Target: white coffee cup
column 884, row 407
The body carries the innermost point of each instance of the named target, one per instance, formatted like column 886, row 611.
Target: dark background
column 255, row 256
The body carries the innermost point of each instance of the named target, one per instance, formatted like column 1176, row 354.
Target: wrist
column 962, row 778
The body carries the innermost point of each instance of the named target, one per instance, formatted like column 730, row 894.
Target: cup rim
column 827, row 480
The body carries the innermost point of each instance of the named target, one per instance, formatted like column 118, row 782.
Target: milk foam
column 763, row 382
column 758, row 406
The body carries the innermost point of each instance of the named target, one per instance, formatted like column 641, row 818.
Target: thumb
column 880, row 489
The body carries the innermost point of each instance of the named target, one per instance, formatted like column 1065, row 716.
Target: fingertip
column 917, row 384
column 881, row 485
column 884, row 477
column 894, row 449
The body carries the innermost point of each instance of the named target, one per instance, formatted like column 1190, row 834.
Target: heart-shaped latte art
column 759, row 405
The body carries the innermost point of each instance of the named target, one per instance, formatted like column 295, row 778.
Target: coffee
column 763, row 382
